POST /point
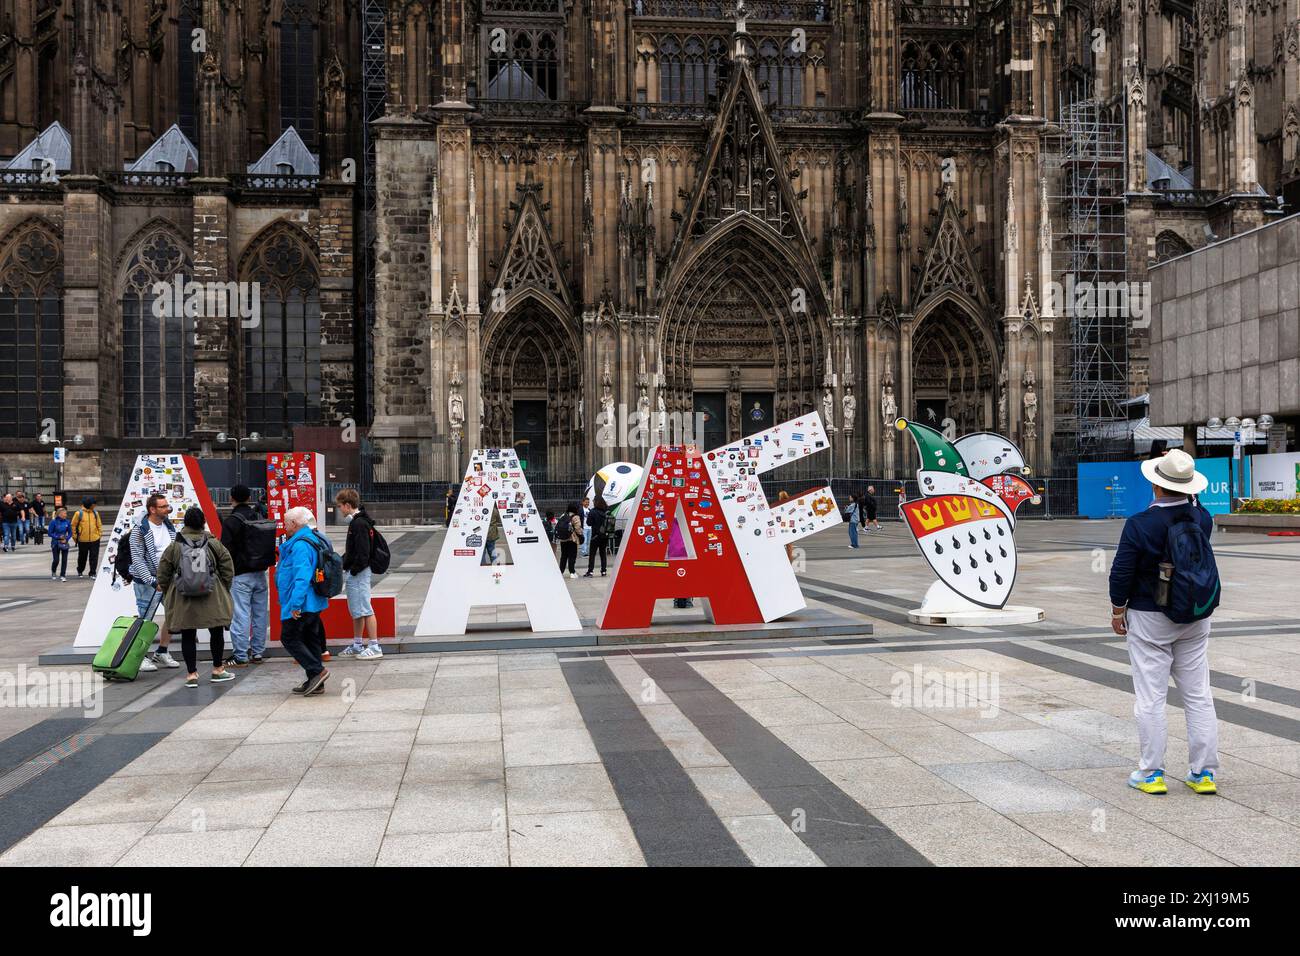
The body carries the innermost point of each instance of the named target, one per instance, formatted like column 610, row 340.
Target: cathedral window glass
column 31, row 322
column 157, row 345
column 934, row 78
column 187, row 20
column 298, row 70
column 781, row 68
column 282, row 353
column 522, row 64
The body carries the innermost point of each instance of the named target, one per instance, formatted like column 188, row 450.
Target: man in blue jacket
column 1158, row 646
column 301, row 632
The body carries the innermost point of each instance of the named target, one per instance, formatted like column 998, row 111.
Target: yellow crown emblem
column 985, row 509
column 958, row 508
column 930, row 517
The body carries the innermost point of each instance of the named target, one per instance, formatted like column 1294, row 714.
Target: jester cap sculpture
column 964, row 524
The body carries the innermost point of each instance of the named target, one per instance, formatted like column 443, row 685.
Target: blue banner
column 1117, row 489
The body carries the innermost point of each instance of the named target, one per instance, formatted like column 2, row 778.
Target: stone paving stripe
column 406, row 546
column 1223, row 681
column 671, row 819
column 44, row 797
column 36, row 739
column 861, row 607
column 837, row 829
column 1275, row 724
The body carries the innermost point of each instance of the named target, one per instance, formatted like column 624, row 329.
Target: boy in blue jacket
column 60, row 537
column 1158, row 646
column 301, row 632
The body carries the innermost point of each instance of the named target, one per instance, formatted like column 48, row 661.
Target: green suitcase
column 128, row 641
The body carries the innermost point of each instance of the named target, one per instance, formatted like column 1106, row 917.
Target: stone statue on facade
column 888, row 406
column 1003, row 422
column 1031, row 406
column 850, row 408
column 828, row 410
column 733, row 414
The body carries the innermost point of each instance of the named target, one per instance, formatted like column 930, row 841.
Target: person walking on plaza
column 38, row 511
column 86, row 531
column 9, row 520
column 301, row 632
column 194, row 574
column 851, row 516
column 1163, row 587
column 869, row 509
column 60, row 539
column 597, row 524
column 24, row 516
column 586, row 528
column 149, row 539
column 357, row 577
column 252, row 549
column 568, row 531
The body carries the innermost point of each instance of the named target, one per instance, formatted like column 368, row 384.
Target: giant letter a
column 678, row 494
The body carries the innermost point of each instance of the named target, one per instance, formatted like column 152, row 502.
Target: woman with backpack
column 1163, row 587
column 597, row 520
column 194, row 575
column 568, row 532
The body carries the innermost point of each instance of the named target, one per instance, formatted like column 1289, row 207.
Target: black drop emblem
column 938, row 548
column 1000, row 531
column 988, row 557
column 955, row 543
column 987, row 536
column 997, row 577
column 1002, row 551
column 955, row 568
column 983, row 586
column 973, row 562
column 971, row 537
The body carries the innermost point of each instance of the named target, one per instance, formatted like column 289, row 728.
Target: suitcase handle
column 152, row 609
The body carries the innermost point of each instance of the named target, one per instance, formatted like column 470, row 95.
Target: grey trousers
column 1157, row 649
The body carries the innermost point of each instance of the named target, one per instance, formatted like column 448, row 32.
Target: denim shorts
column 357, row 588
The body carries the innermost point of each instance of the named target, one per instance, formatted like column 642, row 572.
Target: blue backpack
column 327, row 580
column 1194, row 584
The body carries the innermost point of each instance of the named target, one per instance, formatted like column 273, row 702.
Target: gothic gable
column 949, row 264
column 742, row 174
column 532, row 261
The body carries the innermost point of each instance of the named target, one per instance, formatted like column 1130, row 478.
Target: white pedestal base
column 943, row 607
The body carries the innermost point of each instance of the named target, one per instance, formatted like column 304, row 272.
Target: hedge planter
column 1257, row 523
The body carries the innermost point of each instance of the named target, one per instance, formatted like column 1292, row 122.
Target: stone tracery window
column 157, row 345
column 523, row 63
column 934, row 78
column 781, row 68
column 1169, row 245
column 31, row 324
column 282, row 353
column 688, row 72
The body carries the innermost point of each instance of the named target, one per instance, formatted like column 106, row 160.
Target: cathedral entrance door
column 755, row 412
column 530, row 436
column 713, row 407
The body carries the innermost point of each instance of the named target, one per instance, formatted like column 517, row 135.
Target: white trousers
column 1157, row 648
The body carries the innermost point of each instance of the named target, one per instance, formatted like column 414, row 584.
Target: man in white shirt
column 586, row 529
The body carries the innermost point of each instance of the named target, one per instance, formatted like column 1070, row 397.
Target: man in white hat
column 1163, row 587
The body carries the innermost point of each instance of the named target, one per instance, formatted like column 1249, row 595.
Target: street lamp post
column 223, row 438
column 61, row 453
column 1243, row 433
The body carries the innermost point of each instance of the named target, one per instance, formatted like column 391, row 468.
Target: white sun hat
column 1175, row 470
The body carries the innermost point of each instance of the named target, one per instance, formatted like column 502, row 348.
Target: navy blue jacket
column 1135, row 570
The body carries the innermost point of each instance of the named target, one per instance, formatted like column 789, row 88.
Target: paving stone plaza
column 900, row 745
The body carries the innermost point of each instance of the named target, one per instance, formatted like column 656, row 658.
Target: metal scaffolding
column 374, row 89
column 1086, row 182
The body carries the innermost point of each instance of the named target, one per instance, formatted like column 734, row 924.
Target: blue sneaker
column 1202, row 782
column 352, row 650
column 1153, row 782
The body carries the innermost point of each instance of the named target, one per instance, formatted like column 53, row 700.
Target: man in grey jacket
column 149, row 539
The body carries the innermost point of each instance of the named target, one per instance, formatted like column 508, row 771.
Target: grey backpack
column 198, row 573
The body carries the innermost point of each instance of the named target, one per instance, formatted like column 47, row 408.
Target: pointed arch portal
column 954, row 366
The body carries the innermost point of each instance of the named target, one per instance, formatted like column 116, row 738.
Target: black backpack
column 1194, row 584
column 122, row 563
column 328, row 579
column 564, row 528
column 257, row 543
column 380, row 556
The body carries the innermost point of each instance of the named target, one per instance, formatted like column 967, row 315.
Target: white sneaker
column 148, row 665
column 165, row 659
column 64, row 579
column 352, row 650
column 53, row 577
column 573, row 575
column 372, row 652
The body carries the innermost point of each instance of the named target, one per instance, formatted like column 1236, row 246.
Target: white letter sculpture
column 495, row 483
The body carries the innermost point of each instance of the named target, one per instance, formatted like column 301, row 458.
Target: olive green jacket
column 185, row 613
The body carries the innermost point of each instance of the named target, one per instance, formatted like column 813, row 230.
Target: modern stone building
column 581, row 206
column 1226, row 332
